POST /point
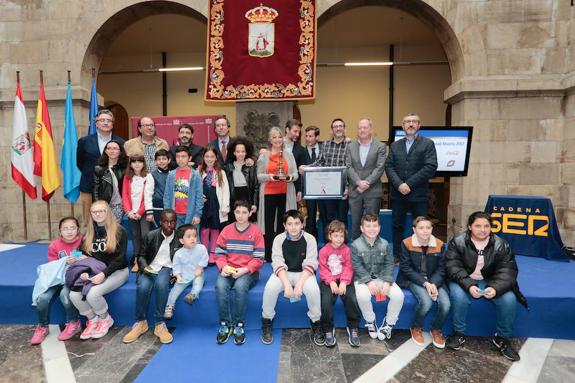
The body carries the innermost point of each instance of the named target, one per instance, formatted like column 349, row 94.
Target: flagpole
column 23, row 194
column 47, row 202
column 71, row 204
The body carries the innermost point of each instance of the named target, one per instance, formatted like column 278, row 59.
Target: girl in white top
column 137, row 192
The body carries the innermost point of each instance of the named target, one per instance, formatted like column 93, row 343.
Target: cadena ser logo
column 520, row 221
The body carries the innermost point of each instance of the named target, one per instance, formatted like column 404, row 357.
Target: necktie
column 313, row 156
column 224, row 149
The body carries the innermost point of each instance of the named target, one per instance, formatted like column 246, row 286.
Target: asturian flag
column 68, row 162
column 45, row 164
column 21, row 154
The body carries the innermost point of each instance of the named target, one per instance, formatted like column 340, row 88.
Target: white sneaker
column 371, row 329
column 90, row 327
column 102, row 327
column 384, row 331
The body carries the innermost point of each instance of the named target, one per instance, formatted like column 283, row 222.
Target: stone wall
column 512, row 66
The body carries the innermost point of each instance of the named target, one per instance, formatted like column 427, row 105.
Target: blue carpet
column 195, row 356
column 546, row 284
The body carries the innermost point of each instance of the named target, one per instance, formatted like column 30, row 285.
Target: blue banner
column 528, row 224
column 68, row 162
column 93, row 107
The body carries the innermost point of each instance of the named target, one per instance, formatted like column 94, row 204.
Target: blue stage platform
column 546, row 284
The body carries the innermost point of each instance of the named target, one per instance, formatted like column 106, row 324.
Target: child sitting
column 422, row 270
column 188, row 267
column 239, row 256
column 373, row 266
column 294, row 261
column 336, row 275
column 64, row 247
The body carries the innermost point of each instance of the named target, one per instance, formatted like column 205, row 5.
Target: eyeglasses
column 147, row 125
column 338, row 126
column 70, row 229
column 411, row 121
column 104, row 211
column 107, row 120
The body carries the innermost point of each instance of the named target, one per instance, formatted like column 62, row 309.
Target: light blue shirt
column 409, row 142
column 102, row 141
column 363, row 151
column 288, row 146
column 186, row 261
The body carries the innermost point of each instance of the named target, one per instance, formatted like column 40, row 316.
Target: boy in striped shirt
column 239, row 256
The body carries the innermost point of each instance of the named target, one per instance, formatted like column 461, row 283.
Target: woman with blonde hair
column 277, row 171
column 105, row 243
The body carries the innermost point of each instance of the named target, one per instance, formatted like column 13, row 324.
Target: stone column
column 254, row 119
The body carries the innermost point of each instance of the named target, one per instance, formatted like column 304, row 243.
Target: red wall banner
column 167, row 127
column 261, row 50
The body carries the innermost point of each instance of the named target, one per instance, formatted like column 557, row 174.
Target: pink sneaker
column 71, row 329
column 40, row 334
column 89, row 330
column 102, row 327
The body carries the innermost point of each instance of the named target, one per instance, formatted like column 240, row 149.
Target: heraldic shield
column 261, row 35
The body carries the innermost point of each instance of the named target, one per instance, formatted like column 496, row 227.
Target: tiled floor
column 109, row 360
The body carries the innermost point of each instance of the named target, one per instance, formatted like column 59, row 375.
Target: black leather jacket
column 150, row 246
column 250, row 172
column 499, row 270
column 103, row 186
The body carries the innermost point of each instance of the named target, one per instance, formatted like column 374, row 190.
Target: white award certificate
column 324, row 182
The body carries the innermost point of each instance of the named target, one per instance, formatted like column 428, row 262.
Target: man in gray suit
column 412, row 161
column 365, row 160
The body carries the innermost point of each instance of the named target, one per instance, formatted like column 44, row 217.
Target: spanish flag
column 45, row 164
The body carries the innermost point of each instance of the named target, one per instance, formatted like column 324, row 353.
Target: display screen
column 453, row 145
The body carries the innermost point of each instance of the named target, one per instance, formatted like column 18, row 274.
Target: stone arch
column 420, row 9
column 121, row 20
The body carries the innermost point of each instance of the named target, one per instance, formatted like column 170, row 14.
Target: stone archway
column 423, row 11
column 118, row 22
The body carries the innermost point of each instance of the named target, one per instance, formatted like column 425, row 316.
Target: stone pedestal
column 254, row 119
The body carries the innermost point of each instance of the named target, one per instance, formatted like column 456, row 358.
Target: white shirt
column 288, row 145
column 162, row 258
column 316, row 150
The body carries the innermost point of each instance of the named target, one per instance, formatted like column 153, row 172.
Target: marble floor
column 109, row 360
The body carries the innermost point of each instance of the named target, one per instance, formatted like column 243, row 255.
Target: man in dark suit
column 222, row 128
column 291, row 144
column 412, row 161
column 364, row 160
column 186, row 138
column 89, row 150
column 311, row 154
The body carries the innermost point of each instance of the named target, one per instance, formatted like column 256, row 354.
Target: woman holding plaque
column 276, row 172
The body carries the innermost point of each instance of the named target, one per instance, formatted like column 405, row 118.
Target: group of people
column 204, row 202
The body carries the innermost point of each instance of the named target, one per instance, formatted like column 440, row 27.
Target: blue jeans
column 197, row 285
column 241, row 287
column 505, row 306
column 146, row 282
column 180, row 219
column 44, row 300
column 424, row 303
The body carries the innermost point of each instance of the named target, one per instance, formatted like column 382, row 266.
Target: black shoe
column 353, row 336
column 505, row 348
column 455, row 341
column 267, row 334
column 239, row 334
column 317, row 333
column 223, row 333
column 330, row 340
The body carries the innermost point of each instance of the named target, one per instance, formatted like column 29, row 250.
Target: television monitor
column 453, row 146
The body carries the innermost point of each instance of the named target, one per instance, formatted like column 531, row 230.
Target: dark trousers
column 399, row 211
column 333, row 209
column 311, row 222
column 274, row 209
column 328, row 299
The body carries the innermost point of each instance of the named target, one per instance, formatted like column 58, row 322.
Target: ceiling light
column 181, row 69
column 374, row 63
